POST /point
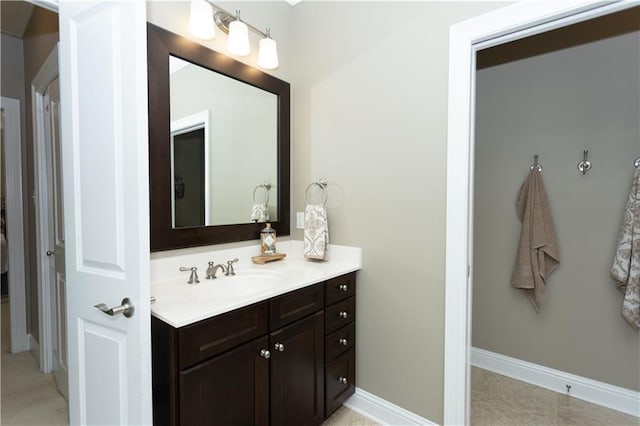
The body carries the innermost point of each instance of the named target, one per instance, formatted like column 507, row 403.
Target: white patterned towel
column 260, row 213
column 626, row 262
column 316, row 232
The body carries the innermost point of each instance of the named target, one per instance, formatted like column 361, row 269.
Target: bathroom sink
column 245, row 284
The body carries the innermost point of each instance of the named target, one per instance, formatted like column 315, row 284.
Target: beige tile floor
column 499, row 400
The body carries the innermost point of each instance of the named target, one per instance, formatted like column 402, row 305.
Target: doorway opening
column 501, row 26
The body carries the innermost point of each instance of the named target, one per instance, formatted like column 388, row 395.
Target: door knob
column 344, row 342
column 279, row 347
column 344, row 287
column 49, row 253
column 343, row 380
column 126, row 308
column 265, row 354
column 343, row 314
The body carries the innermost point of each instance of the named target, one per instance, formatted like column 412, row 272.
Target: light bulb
column 238, row 43
column 268, row 53
column 201, row 20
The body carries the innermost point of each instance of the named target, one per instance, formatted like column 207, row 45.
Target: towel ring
column 322, row 183
column 267, row 187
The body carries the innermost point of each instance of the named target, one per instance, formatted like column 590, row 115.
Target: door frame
column 507, row 24
column 15, row 224
column 47, row 73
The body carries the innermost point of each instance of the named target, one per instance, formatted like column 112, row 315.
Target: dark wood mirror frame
column 161, row 44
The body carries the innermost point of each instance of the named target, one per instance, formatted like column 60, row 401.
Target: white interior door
column 56, row 249
column 103, row 75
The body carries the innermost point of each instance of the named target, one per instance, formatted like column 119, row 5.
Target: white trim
column 500, row 26
column 15, row 225
column 382, row 411
column 590, row 390
column 47, row 73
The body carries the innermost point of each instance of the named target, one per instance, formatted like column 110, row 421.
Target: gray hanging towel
column 537, row 253
column 626, row 262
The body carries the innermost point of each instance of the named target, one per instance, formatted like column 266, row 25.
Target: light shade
column 238, row 43
column 201, row 20
column 268, row 53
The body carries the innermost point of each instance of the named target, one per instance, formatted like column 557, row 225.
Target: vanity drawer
column 340, row 380
column 212, row 336
column 340, row 314
column 339, row 341
column 340, row 288
column 294, row 305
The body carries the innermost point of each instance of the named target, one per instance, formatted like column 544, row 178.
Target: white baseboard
column 382, row 411
column 590, row 390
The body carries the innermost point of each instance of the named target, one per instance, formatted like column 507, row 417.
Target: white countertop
column 180, row 304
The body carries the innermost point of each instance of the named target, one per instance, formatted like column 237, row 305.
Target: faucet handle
column 230, row 270
column 194, row 274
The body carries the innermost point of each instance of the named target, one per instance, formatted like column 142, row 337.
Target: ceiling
column 14, row 17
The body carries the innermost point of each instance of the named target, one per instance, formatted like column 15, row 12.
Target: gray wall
column 558, row 104
column 370, row 115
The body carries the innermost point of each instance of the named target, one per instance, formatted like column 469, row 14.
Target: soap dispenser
column 268, row 238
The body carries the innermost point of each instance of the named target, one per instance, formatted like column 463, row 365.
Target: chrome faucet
column 193, row 277
column 212, row 269
column 230, row 270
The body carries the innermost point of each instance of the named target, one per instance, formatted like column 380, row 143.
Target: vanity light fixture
column 238, row 31
column 201, row 20
column 238, row 42
column 268, row 53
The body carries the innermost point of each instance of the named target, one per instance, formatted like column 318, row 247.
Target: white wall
column 558, row 104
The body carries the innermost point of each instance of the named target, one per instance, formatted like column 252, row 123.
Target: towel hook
column 322, row 183
column 585, row 165
column 535, row 164
column 636, row 162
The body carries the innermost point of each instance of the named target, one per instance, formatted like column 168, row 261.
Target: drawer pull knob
column 343, row 314
column 342, row 380
column 265, row 354
column 344, row 287
column 344, row 342
column 279, row 347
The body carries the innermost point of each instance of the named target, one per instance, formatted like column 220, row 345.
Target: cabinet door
column 297, row 366
column 230, row 389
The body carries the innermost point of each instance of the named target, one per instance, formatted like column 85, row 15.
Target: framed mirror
column 219, row 146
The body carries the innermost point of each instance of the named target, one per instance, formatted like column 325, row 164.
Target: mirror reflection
column 224, row 145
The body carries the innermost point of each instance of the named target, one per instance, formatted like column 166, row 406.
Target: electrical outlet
column 300, row 220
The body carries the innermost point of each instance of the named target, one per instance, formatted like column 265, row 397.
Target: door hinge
column 468, row 271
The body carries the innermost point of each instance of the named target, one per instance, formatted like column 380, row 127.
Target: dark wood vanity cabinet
column 340, row 332
column 282, row 361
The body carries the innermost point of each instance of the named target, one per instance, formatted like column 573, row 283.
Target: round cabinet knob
column 265, row 354
column 342, row 380
column 344, row 287
column 344, row 342
column 279, row 347
column 343, row 314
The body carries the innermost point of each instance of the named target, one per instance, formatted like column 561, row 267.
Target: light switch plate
column 300, row 220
